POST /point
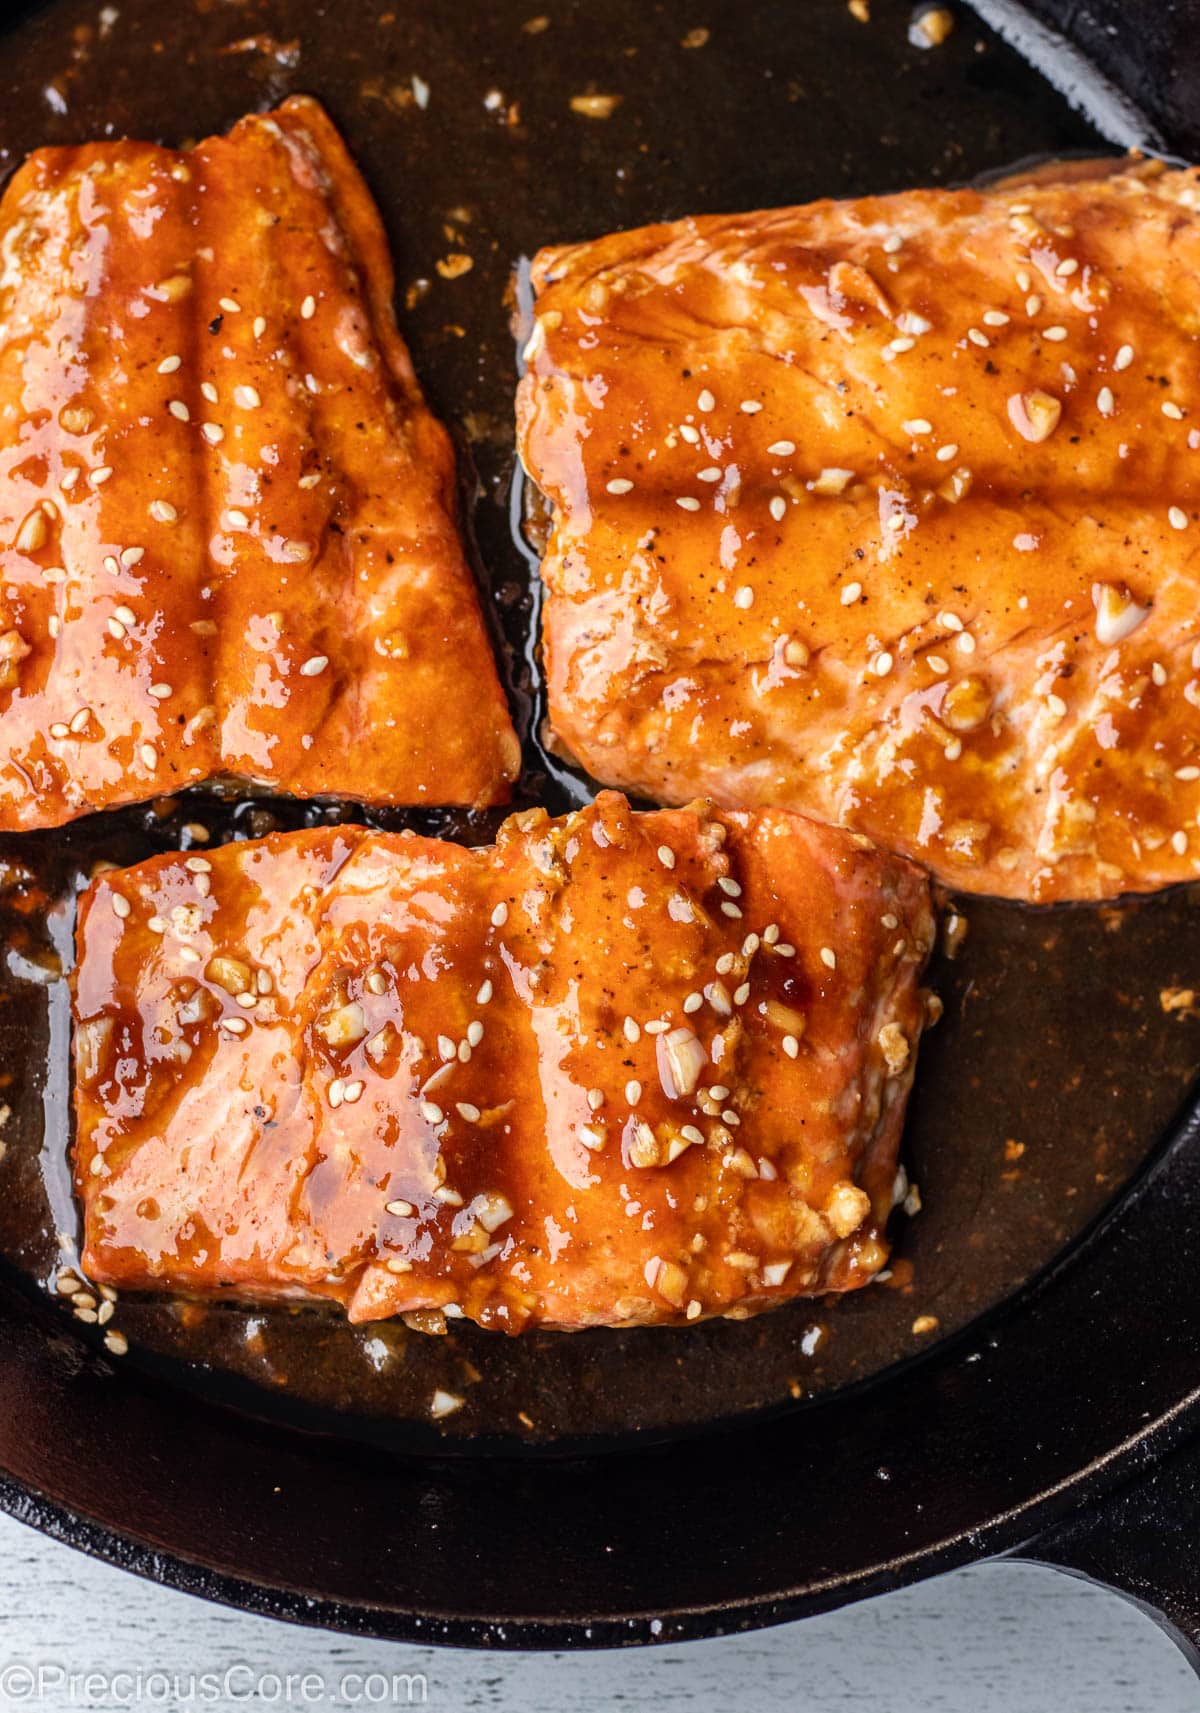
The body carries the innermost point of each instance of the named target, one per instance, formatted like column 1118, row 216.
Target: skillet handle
column 1140, row 1541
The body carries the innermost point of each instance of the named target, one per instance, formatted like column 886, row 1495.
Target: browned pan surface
column 1066, row 1045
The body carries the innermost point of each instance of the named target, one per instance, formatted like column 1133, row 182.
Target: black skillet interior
column 1057, row 1066
column 1066, row 1048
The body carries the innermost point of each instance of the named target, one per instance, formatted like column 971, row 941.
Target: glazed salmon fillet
column 227, row 520
column 618, row 1069
column 889, row 511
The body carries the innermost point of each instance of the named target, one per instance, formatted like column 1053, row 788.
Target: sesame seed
column 162, row 511
column 786, row 951
column 945, row 453
column 149, row 755
column 917, row 425
column 892, row 243
column 750, row 945
column 308, row 308
column 619, row 485
column 1123, row 357
column 936, row 664
column 1033, row 304
column 744, row 597
column 1066, row 268
column 724, row 963
column 782, row 448
column 314, row 666
column 120, row 905
column 791, row 1046
column 1056, row 705
column 731, row 910
column 693, row 1002
column 230, row 305
column 160, row 692
column 1105, row 401
column 334, row 1092
column 690, row 434
column 882, row 664
column 309, row 481
column 468, row 1110
column 212, row 432
column 246, row 398
column 1177, row 518
column 259, row 326
column 116, row 628
column 666, row 856
column 706, row 401
column 688, row 503
column 966, row 643
column 976, row 337
column 235, row 1025
column 595, row 1098
column 711, row 474
column 633, row 1091
column 750, row 406
column 741, row 993
column 475, row 1033
column 995, row 318
column 483, row 997
column 1057, row 334
column 401, row 1209
column 851, row 593
column 431, row 1112
column 1179, row 842
column 210, row 392
column 632, row 1030
column 178, row 409
column 169, row 365
column 729, row 887
column 500, row 915
column 97, row 477
column 778, row 508
column 1171, row 409
column 60, row 729
column 237, row 520
column 829, row 957
column 352, row 1091
column 111, row 565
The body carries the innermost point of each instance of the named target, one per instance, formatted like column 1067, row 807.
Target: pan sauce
column 1058, row 1062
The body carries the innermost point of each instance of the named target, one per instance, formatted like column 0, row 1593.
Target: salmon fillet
column 618, row 1069
column 889, row 511
column 228, row 534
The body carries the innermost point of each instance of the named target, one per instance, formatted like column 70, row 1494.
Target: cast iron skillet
column 285, row 1462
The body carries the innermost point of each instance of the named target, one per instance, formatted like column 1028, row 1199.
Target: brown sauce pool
column 1069, row 1041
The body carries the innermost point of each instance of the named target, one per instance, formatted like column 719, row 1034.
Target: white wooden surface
column 992, row 1639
